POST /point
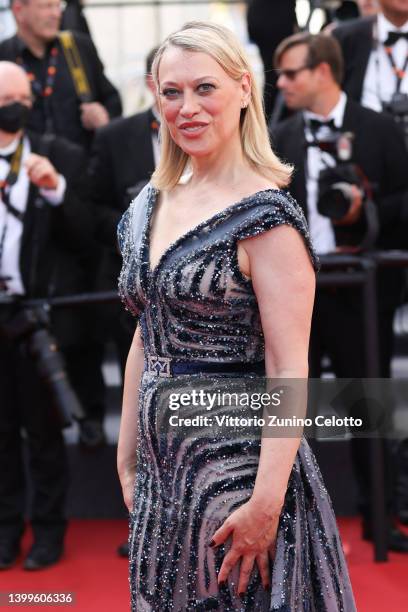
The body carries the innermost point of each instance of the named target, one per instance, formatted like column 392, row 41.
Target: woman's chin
column 197, row 149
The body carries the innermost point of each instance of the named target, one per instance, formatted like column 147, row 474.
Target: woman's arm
column 127, row 444
column 284, row 283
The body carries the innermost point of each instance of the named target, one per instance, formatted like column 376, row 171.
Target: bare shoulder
column 257, row 182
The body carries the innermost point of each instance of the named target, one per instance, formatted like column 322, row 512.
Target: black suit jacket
column 64, row 103
column 356, row 40
column 379, row 150
column 56, row 239
column 122, row 156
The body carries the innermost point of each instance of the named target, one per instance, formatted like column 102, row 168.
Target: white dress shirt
column 380, row 82
column 320, row 227
column 10, row 258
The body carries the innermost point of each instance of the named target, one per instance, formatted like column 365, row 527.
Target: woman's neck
column 225, row 167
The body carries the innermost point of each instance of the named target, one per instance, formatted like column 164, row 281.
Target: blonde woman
column 218, row 265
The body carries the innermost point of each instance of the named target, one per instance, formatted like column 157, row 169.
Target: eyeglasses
column 291, row 73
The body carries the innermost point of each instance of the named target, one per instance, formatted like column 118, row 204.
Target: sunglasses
column 291, row 73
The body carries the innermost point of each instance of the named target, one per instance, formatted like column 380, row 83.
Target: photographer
column 44, row 229
column 351, row 176
column 375, row 51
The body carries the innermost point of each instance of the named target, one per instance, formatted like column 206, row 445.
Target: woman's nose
column 190, row 105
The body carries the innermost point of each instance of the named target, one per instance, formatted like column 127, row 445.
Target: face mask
column 13, row 117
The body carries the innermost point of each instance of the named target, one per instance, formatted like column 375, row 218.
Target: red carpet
column 98, row 577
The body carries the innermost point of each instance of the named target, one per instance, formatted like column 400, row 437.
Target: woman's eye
column 206, row 87
column 170, row 93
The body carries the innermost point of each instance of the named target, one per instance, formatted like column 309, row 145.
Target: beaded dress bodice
column 196, row 303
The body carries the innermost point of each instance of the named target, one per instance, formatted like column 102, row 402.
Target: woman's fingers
column 230, row 559
column 262, row 561
column 247, row 563
column 246, row 567
column 221, row 534
column 272, row 550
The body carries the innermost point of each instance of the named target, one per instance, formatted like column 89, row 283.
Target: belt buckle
column 159, row 365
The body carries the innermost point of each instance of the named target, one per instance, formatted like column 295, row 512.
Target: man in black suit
column 124, row 156
column 374, row 50
column 44, row 227
column 310, row 76
column 58, row 107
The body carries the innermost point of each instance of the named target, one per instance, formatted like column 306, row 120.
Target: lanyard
column 37, row 87
column 399, row 72
column 45, row 90
column 5, row 192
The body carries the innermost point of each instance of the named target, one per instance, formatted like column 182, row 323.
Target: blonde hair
column 221, row 44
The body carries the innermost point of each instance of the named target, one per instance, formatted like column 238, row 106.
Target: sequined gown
column 197, row 305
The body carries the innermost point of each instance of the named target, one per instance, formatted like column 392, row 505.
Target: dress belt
column 167, row 367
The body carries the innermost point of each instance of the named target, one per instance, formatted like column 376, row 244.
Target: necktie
column 394, row 37
column 316, row 124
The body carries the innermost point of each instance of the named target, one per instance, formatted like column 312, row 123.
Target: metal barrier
column 366, row 277
column 363, row 274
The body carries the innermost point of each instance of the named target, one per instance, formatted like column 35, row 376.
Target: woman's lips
column 192, row 129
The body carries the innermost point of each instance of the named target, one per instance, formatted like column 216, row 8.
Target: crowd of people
column 70, row 165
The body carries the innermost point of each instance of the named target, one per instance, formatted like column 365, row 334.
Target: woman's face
column 199, row 101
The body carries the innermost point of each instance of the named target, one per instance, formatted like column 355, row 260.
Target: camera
column 28, row 327
column 336, row 194
column 398, row 108
column 335, row 191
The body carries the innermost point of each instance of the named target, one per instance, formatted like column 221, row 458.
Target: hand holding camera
column 356, row 205
column 346, row 198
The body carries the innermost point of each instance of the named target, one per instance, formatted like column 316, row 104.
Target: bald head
column 14, row 84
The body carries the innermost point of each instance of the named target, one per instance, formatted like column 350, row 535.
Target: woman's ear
column 246, row 85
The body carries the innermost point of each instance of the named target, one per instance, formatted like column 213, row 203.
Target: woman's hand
column 253, row 532
column 127, row 480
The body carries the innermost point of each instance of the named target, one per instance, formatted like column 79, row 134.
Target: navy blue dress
column 196, row 305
